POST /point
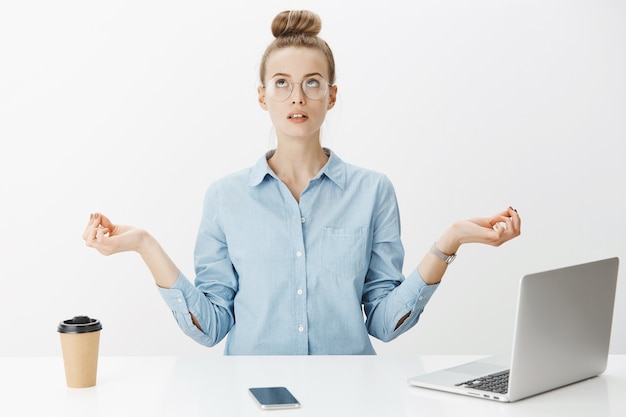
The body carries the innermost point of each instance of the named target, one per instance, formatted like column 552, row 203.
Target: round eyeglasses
column 280, row 88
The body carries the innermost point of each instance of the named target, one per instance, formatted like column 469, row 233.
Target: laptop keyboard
column 498, row 382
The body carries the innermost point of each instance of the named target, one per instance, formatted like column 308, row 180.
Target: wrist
column 164, row 271
column 448, row 242
column 448, row 258
column 145, row 243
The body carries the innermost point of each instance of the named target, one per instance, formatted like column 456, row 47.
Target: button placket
column 297, row 222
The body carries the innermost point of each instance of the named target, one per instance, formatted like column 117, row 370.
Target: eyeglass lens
column 279, row 89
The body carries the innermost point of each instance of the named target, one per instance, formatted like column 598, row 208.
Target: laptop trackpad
column 478, row 368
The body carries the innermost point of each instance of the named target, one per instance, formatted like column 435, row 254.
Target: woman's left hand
column 494, row 230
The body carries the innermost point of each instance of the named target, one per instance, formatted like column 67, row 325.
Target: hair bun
column 296, row 22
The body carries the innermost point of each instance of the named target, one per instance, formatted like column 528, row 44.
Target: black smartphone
column 270, row 398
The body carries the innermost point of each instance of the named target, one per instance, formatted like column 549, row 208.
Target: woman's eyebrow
column 281, row 74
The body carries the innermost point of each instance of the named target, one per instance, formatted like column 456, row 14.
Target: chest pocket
column 343, row 251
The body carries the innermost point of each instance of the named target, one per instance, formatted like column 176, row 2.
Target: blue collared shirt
column 288, row 278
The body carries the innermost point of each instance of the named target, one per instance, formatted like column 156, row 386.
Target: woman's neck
column 296, row 163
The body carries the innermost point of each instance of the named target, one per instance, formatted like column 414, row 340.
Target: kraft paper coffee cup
column 80, row 340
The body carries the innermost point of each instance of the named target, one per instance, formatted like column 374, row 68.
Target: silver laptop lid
column 563, row 327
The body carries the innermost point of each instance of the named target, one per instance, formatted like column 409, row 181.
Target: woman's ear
column 261, row 92
column 332, row 96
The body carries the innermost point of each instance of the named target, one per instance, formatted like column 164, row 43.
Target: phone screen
column 274, row 397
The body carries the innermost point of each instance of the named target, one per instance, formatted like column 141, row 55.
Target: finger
column 515, row 219
column 500, row 228
column 93, row 222
column 508, row 214
column 504, row 213
column 96, row 235
column 101, row 233
column 498, row 218
column 105, row 222
column 512, row 229
column 512, row 223
column 90, row 235
column 102, row 245
column 501, row 225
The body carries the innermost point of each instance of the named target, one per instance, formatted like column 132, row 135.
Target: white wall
column 133, row 108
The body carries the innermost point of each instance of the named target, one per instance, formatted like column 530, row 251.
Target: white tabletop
column 325, row 385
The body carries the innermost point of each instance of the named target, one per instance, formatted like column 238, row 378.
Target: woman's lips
column 298, row 117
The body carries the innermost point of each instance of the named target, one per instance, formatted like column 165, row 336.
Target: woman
column 291, row 252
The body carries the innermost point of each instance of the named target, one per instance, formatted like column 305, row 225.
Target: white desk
column 325, row 385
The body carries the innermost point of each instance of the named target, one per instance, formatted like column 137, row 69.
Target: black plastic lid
column 79, row 324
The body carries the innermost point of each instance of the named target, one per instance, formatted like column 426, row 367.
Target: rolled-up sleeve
column 388, row 295
column 210, row 300
column 412, row 296
column 184, row 299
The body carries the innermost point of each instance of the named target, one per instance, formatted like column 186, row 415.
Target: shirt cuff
column 181, row 295
column 415, row 293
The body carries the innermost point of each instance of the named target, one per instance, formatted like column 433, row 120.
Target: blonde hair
column 298, row 28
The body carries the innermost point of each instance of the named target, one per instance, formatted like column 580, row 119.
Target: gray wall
column 134, row 108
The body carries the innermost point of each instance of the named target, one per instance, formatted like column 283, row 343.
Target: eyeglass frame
column 302, row 87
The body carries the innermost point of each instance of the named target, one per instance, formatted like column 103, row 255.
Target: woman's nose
column 297, row 94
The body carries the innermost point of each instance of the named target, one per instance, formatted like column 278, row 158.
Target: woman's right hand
column 108, row 238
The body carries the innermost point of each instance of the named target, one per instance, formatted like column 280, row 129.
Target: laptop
column 562, row 334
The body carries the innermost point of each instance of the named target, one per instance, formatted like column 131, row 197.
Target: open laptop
column 562, row 334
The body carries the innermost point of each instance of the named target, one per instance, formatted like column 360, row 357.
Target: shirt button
column 300, row 329
column 300, row 291
column 302, row 220
column 298, row 254
column 420, row 298
column 180, row 300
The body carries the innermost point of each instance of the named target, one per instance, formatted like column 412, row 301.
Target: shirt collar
column 335, row 170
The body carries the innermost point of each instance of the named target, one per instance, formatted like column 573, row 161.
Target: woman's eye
column 313, row 83
column 281, row 83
